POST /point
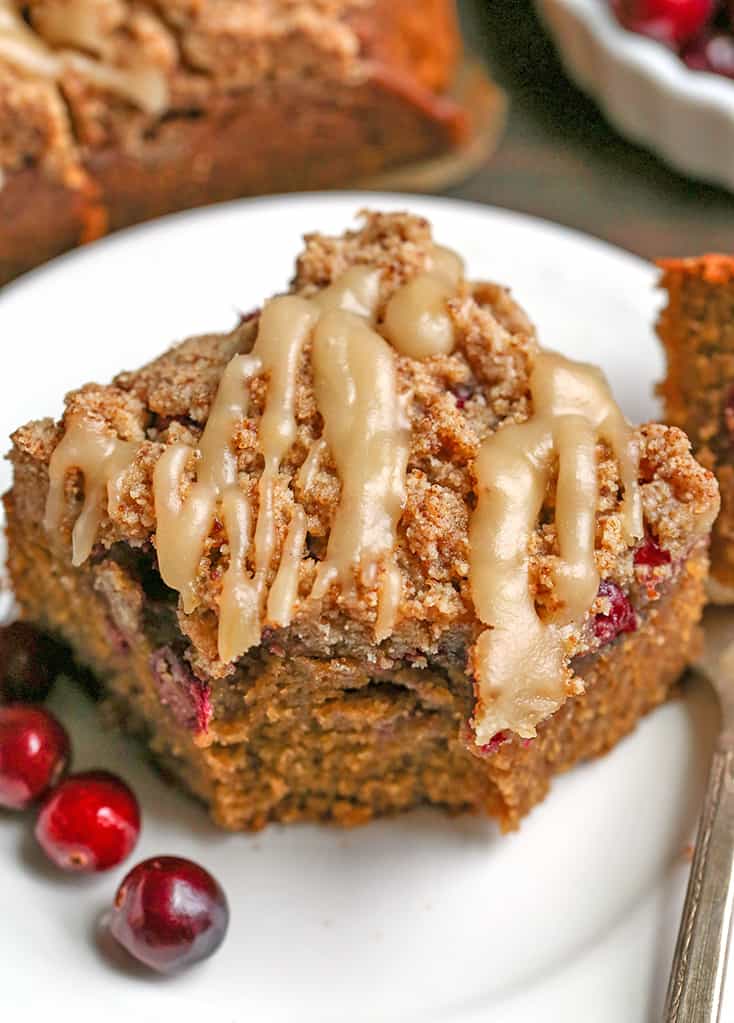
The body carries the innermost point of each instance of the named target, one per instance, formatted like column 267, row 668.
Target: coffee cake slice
column 372, row 549
column 696, row 328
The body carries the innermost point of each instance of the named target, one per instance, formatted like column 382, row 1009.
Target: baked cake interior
column 697, row 330
column 373, row 548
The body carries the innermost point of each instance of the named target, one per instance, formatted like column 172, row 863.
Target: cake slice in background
column 696, row 328
column 373, row 549
column 114, row 112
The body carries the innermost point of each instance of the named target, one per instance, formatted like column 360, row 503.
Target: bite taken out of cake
column 374, row 548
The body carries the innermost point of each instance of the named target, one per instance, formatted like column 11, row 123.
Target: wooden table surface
column 559, row 159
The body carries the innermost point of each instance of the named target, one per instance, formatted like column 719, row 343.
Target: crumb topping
column 453, row 403
column 713, row 268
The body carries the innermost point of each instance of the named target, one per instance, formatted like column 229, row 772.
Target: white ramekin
column 647, row 92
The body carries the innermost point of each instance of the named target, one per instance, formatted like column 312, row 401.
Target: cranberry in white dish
column 700, row 31
column 673, row 22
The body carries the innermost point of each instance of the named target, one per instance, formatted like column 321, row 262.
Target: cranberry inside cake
column 373, row 548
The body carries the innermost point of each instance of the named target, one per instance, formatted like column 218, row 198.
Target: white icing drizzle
column 365, row 428
column 417, row 319
column 519, row 660
column 285, row 326
column 356, row 390
column 447, row 264
column 310, row 466
column 357, row 291
column 562, row 387
column 182, row 525
column 143, row 84
column 283, row 592
column 79, row 23
column 218, row 466
column 20, row 45
column 239, row 607
column 101, row 458
column 388, row 599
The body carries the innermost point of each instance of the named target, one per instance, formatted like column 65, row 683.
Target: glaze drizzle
column 519, row 660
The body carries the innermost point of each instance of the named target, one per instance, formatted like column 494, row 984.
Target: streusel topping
column 411, row 574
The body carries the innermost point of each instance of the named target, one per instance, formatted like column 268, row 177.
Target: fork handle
column 699, row 964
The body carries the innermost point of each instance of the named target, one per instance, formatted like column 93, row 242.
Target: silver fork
column 696, row 987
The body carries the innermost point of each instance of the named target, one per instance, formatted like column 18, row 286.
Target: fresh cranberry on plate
column 169, row 913
column 672, row 22
column 34, row 754
column 89, row 823
column 29, row 663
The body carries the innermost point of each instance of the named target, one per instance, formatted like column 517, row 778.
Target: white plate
column 418, row 919
column 647, row 92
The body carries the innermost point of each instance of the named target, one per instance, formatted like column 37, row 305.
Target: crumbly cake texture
column 319, row 721
column 199, row 101
column 696, row 328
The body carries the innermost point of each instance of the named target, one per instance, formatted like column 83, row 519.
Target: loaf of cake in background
column 112, row 111
column 696, row 328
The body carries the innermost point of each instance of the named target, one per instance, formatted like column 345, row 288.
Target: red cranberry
column 90, row 822
column 169, row 913
column 651, row 555
column 462, row 393
column 34, row 753
column 187, row 698
column 29, row 663
column 672, row 22
column 711, row 51
column 497, row 740
column 621, row 616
